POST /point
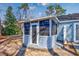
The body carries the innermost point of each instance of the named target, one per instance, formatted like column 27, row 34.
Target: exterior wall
column 47, row 42
column 44, row 42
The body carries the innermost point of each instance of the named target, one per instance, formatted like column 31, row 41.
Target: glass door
column 34, row 34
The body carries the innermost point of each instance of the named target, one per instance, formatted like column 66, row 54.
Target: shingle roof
column 68, row 17
column 74, row 16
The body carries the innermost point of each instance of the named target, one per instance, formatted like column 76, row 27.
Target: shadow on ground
column 50, row 47
column 69, row 50
column 21, row 51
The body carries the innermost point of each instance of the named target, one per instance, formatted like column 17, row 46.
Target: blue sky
column 37, row 10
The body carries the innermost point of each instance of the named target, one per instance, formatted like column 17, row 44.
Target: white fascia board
column 68, row 21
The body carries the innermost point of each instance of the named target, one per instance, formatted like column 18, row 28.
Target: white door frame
column 75, row 32
column 37, row 29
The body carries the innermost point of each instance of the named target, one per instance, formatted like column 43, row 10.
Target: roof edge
column 39, row 19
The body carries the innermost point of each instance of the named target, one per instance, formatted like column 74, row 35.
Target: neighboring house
column 46, row 31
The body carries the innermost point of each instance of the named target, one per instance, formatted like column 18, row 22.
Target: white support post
column 22, row 27
column 65, row 34
column 75, row 32
column 50, row 25
column 38, row 32
column 30, row 33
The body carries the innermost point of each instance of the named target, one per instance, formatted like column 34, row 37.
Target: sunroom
column 40, row 33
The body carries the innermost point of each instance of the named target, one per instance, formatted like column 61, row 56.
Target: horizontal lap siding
column 44, row 42
column 47, row 42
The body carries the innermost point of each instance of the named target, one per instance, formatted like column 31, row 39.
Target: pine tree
column 11, row 27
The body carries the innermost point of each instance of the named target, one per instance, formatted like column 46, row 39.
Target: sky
column 37, row 9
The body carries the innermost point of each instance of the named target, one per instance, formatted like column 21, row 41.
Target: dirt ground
column 9, row 46
column 67, row 51
column 36, row 52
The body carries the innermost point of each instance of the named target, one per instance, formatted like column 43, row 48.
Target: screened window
column 44, row 27
column 54, row 28
column 27, row 28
